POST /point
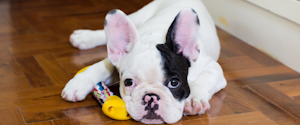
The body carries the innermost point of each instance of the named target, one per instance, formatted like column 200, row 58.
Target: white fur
column 83, row 83
column 148, row 79
column 152, row 22
column 87, row 39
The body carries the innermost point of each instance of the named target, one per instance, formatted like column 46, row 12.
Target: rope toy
column 112, row 105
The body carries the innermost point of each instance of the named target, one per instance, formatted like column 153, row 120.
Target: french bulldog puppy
column 165, row 54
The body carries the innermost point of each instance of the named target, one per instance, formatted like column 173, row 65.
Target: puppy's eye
column 173, row 83
column 128, row 82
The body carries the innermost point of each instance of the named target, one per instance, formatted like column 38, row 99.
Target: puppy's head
column 153, row 77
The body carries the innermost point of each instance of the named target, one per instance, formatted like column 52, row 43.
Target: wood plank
column 34, row 72
column 228, row 51
column 237, row 102
column 55, row 102
column 222, row 56
column 265, row 106
column 30, row 103
column 38, row 47
column 266, row 122
column 39, row 43
column 91, row 23
column 297, row 99
column 289, row 87
column 102, row 4
column 128, row 122
column 95, row 119
column 278, row 98
column 126, row 6
column 64, row 113
column 265, row 78
column 20, row 23
column 35, row 21
column 186, row 118
column 243, row 118
column 74, row 63
column 24, row 39
column 217, row 108
column 10, row 116
column 238, row 63
column 76, row 52
column 36, row 4
column 6, row 29
column 11, row 76
column 67, row 121
column 256, row 72
column 29, row 97
column 71, row 10
column 31, row 93
column 64, row 26
column 42, row 123
column 53, row 68
column 13, row 85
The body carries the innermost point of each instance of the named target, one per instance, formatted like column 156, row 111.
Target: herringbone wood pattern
column 36, row 61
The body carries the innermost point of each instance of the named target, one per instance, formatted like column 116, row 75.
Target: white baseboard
column 267, row 31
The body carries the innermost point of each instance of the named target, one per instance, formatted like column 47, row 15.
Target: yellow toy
column 112, row 105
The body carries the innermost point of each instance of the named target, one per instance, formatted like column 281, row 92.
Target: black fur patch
column 170, row 37
column 175, row 66
column 112, row 11
column 197, row 18
column 105, row 22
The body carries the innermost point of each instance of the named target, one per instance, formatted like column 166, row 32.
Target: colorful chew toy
column 112, row 105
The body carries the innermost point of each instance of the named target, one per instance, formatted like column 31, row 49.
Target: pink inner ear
column 120, row 33
column 186, row 34
column 117, row 31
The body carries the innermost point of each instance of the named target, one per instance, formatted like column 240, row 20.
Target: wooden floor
column 36, row 61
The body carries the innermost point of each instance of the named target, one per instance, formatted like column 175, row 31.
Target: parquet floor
column 36, row 61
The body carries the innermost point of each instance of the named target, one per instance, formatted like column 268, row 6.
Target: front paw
column 86, row 39
column 77, row 88
column 196, row 105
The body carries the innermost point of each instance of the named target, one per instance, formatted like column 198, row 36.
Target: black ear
column 182, row 36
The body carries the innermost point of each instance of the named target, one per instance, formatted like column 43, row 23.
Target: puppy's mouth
column 152, row 121
column 152, row 118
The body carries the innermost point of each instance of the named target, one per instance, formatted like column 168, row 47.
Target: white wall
column 269, row 32
column 289, row 9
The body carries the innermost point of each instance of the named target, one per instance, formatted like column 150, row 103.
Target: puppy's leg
column 87, row 39
column 83, row 83
column 202, row 88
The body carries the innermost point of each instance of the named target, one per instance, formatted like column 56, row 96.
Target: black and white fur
column 165, row 54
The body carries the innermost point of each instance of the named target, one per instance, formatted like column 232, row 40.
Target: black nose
column 151, row 100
